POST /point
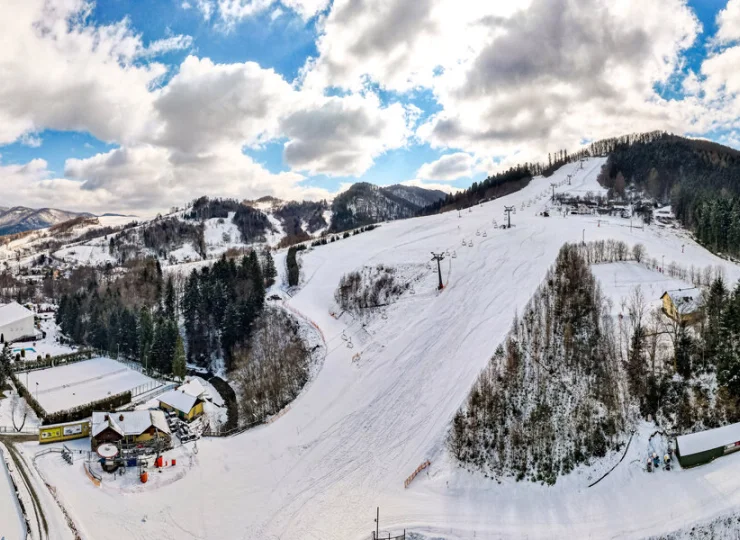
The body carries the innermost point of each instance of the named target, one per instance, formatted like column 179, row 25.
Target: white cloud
column 562, row 71
column 400, row 44
column 209, row 104
column 61, row 73
column 449, row 167
column 168, row 44
column 232, row 12
column 343, row 135
column 728, row 23
column 154, row 177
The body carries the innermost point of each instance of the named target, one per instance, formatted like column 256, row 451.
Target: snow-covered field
column 618, row 281
column 65, row 387
column 364, row 424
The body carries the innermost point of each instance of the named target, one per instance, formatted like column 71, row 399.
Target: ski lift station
column 704, row 446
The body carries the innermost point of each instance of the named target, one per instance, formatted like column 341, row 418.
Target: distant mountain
column 20, row 218
column 363, row 204
column 109, row 214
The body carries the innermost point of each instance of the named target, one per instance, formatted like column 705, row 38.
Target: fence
column 59, row 360
column 8, row 430
column 230, row 432
column 145, row 388
column 382, row 536
column 417, row 471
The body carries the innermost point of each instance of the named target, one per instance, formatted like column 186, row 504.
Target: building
column 704, row 446
column 186, row 406
column 64, row 432
column 130, row 429
column 193, row 387
column 682, row 305
column 16, row 323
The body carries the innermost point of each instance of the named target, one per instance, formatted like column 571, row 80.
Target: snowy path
column 349, row 441
column 12, row 525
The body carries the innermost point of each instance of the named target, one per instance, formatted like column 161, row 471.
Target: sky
column 131, row 106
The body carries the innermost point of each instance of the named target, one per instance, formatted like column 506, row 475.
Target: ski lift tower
column 552, row 185
column 508, row 210
column 439, row 257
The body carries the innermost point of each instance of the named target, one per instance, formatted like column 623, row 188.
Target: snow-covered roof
column 13, row 312
column 178, row 400
column 708, row 440
column 129, row 422
column 193, row 388
column 685, row 300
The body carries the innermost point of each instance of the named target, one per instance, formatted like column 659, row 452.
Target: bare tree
column 638, row 252
column 18, row 408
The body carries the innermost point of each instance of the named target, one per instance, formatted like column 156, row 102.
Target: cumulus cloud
column 209, row 104
column 728, row 23
column 564, row 70
column 400, row 44
column 61, row 73
column 343, row 135
column 149, row 176
column 448, row 167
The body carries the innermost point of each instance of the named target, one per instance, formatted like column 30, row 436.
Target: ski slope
column 362, row 426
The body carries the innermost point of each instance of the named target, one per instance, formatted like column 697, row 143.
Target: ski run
column 383, row 400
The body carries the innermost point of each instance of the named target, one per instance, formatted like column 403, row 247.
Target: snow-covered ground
column 64, row 387
column 618, row 281
column 12, row 526
column 366, row 422
column 48, row 345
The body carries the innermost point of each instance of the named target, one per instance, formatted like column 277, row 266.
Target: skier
column 649, row 465
column 656, row 461
column 667, row 460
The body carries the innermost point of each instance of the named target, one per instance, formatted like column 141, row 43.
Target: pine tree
column 170, row 301
column 178, row 361
column 145, row 337
column 5, row 358
column 255, row 275
column 268, row 269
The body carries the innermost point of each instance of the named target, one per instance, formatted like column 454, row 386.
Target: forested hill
column 364, row 204
column 700, row 179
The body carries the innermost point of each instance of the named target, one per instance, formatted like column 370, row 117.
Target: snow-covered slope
column 366, row 422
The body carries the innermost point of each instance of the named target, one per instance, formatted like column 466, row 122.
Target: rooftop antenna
column 439, row 257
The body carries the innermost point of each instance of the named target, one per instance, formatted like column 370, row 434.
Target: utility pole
column 508, row 210
column 439, row 257
column 377, row 522
column 569, row 179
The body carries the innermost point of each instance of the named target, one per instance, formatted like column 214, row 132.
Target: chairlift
column 470, row 244
column 477, row 233
column 454, row 254
column 484, row 234
column 463, row 242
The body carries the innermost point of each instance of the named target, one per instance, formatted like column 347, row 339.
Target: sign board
column 72, row 430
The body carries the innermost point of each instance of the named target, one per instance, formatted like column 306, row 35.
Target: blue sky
column 320, row 108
